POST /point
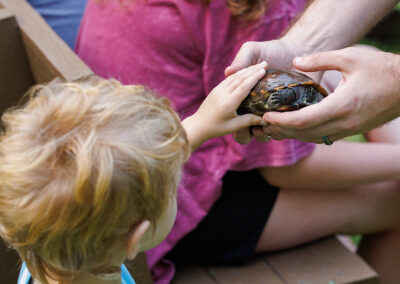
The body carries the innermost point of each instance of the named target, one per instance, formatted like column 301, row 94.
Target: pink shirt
column 180, row 48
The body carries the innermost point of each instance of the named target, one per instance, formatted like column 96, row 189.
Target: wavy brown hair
column 246, row 10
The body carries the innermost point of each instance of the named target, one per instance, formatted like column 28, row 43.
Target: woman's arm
column 333, row 24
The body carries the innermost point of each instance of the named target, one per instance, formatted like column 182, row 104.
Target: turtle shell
column 282, row 91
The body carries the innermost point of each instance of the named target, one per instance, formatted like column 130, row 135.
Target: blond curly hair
column 81, row 164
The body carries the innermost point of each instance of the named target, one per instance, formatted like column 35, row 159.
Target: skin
column 367, row 96
column 325, row 25
column 215, row 117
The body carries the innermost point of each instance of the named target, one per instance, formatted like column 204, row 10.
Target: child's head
column 82, row 165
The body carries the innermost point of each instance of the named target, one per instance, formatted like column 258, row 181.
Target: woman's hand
column 278, row 54
column 367, row 96
column 217, row 114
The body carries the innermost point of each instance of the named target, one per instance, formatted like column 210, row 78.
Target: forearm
column 334, row 24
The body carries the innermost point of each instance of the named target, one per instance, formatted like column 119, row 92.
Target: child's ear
column 132, row 247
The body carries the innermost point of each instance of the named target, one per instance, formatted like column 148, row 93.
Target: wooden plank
column 15, row 75
column 139, row 269
column 321, row 262
column 186, row 274
column 48, row 55
column 255, row 272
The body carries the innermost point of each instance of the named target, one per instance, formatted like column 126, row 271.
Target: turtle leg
column 282, row 98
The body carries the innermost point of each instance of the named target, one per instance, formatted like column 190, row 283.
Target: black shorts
column 230, row 232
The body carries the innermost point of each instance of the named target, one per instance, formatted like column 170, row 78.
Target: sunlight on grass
column 356, row 138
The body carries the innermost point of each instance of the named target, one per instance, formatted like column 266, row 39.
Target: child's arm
column 217, row 114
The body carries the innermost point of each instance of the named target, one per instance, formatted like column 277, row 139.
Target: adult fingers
column 334, row 130
column 247, row 55
column 330, row 60
column 259, row 134
column 246, row 120
column 304, row 118
column 242, row 136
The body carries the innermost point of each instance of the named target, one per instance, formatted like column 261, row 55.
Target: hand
column 217, row 114
column 278, row 54
column 367, row 96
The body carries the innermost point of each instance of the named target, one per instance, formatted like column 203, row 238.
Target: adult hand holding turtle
column 367, row 96
column 325, row 25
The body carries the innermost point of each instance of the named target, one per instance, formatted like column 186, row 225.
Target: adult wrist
column 295, row 44
column 302, row 44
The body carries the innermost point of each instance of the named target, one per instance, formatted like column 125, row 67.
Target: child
column 89, row 171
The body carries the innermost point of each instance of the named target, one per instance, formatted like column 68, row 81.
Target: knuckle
column 351, row 107
column 347, row 56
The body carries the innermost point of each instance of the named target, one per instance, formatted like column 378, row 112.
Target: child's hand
column 217, row 114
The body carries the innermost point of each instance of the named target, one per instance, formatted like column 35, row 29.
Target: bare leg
column 387, row 133
column 341, row 165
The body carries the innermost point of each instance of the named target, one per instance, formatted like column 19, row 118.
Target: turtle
column 282, row 90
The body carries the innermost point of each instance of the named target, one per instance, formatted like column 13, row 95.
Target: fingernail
column 262, row 122
column 263, row 64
